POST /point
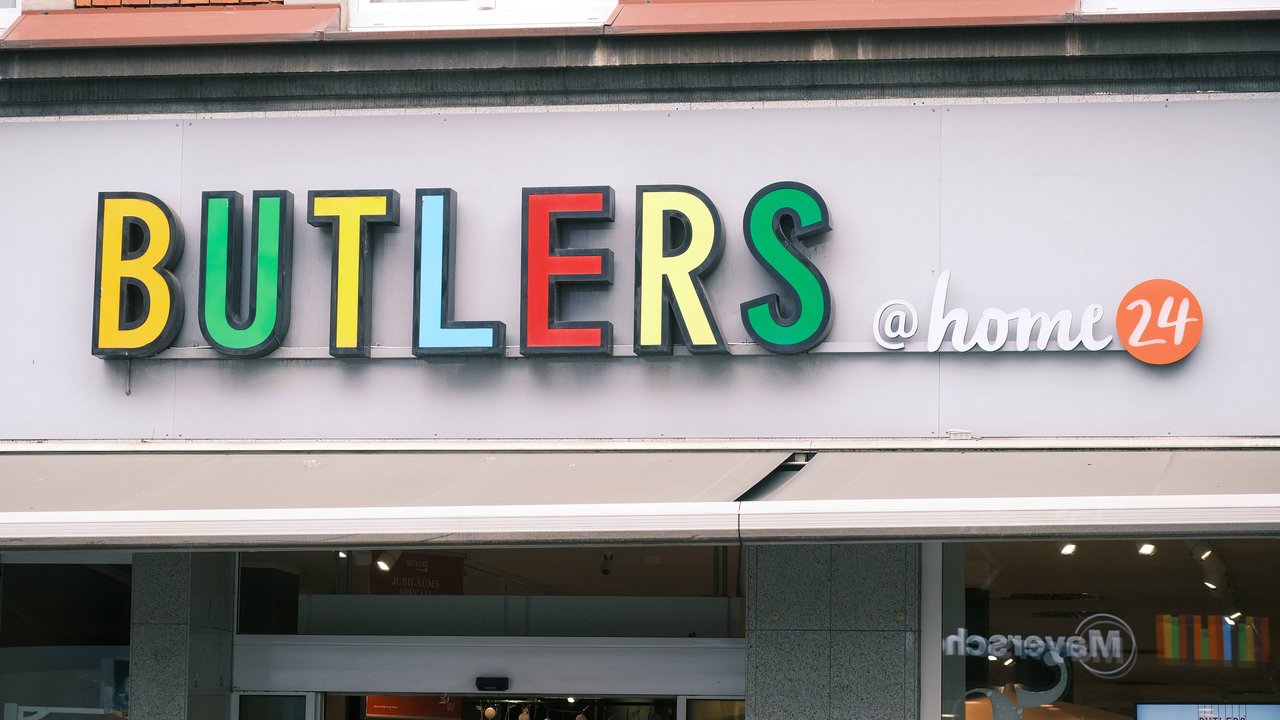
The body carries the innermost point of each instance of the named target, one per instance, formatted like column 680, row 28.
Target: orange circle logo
column 1159, row 322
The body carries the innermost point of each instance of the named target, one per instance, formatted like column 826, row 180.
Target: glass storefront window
column 655, row 591
column 273, row 707
column 1173, row 6
column 462, row 14
column 64, row 639
column 8, row 12
column 715, row 709
column 1144, row 629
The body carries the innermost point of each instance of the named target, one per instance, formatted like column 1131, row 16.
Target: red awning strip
column 701, row 16
column 94, row 27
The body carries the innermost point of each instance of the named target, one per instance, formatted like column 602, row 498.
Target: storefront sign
column 498, row 287
column 243, row 307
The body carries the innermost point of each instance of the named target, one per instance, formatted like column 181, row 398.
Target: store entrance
column 601, row 633
column 338, row 706
column 360, row 678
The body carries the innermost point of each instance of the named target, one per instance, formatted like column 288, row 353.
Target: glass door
column 498, row 707
column 275, row 706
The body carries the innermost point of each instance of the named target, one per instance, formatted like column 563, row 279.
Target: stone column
column 181, row 636
column 833, row 632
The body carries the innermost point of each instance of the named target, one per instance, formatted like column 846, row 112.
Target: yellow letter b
column 137, row 303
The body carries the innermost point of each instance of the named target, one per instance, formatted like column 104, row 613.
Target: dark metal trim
column 1078, row 59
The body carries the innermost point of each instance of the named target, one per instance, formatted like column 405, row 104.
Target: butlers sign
column 244, row 291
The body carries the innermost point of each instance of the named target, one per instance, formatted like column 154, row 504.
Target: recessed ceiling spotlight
column 1068, row 549
column 387, row 559
column 1146, row 549
column 1202, row 550
column 1210, row 585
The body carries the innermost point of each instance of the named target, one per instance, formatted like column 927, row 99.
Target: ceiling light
column 1210, row 585
column 387, row 559
column 570, row 698
column 992, row 658
column 1230, row 620
column 342, row 554
column 1009, row 661
column 1068, row 549
column 1146, row 549
column 1235, row 615
column 1201, row 549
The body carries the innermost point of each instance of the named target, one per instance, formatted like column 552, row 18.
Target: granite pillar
column 833, row 631
column 181, row 636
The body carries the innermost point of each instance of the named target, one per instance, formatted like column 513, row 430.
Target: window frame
column 1102, row 7
column 479, row 14
column 9, row 15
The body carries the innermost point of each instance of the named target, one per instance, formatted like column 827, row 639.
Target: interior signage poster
column 413, row 707
column 416, row 573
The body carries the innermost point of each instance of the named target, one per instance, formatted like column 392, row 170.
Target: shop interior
column 1135, row 628
column 1195, row 622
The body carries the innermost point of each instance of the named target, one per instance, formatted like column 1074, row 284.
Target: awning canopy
column 1030, row 473
column 249, row 498
column 227, row 481
column 1022, row 493
column 218, row 499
